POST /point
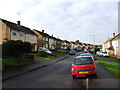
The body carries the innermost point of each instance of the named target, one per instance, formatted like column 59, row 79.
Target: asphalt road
column 58, row 75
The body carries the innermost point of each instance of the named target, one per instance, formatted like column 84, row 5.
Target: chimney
column 42, row 31
column 113, row 34
column 18, row 22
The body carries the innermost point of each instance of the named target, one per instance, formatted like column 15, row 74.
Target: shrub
column 42, row 54
column 15, row 49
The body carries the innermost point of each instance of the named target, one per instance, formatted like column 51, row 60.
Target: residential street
column 58, row 75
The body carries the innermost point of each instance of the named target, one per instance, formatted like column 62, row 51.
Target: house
column 59, row 44
column 52, row 43
column 43, row 38
column 111, row 46
column 85, row 46
column 80, row 45
column 67, row 44
column 13, row 31
column 74, row 45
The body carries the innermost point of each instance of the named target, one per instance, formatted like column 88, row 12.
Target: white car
column 102, row 54
column 44, row 49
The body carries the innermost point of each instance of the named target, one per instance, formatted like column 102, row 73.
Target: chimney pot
column 43, row 31
column 113, row 34
column 18, row 22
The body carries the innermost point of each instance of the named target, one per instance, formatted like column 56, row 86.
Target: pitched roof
column 66, row 41
column 17, row 27
column 43, row 34
column 73, row 42
column 113, row 38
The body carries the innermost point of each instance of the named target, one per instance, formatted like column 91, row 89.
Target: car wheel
column 74, row 76
column 95, row 75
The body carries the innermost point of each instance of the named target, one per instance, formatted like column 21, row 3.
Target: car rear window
column 83, row 61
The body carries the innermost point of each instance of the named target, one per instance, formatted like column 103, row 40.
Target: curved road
column 58, row 75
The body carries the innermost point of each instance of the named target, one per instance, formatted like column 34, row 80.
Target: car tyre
column 74, row 76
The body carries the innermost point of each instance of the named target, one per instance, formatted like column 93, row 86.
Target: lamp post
column 93, row 41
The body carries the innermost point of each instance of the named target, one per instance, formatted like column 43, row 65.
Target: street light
column 94, row 40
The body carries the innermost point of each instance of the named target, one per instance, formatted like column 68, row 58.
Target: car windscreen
column 83, row 61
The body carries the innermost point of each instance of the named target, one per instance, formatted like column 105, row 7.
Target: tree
column 77, row 41
column 15, row 49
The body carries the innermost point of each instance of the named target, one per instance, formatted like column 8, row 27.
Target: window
column 29, row 36
column 21, row 34
column 35, row 37
column 83, row 61
column 46, row 39
column 14, row 33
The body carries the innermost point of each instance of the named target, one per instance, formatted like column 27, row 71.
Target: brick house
column 13, row 31
column 43, row 38
column 59, row 44
column 67, row 44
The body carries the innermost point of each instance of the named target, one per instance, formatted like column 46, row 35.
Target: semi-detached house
column 13, row 31
column 43, row 38
column 112, row 46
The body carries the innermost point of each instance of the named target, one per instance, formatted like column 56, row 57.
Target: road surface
column 58, row 75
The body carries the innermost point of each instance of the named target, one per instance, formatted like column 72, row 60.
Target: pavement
column 39, row 64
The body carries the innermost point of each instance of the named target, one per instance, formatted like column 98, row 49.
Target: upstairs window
column 29, row 36
column 35, row 37
column 21, row 34
column 14, row 33
column 46, row 39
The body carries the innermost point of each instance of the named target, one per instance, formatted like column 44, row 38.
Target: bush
column 15, row 49
column 42, row 54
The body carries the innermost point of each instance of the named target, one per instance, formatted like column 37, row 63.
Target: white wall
column 115, row 46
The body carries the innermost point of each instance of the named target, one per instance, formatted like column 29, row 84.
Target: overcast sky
column 66, row 19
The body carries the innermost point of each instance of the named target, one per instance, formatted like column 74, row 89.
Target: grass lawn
column 107, row 59
column 11, row 62
column 113, row 68
column 49, row 57
column 61, row 53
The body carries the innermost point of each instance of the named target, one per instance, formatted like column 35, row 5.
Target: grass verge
column 113, row 68
column 60, row 53
column 11, row 62
column 49, row 57
column 107, row 59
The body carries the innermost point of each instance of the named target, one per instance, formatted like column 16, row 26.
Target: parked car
column 79, row 50
column 72, row 52
column 83, row 66
column 44, row 49
column 102, row 54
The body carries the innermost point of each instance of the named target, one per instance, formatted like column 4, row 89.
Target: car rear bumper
column 87, row 73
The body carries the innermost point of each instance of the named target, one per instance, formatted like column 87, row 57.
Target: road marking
column 87, row 83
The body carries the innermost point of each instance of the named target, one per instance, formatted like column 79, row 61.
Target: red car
column 83, row 66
